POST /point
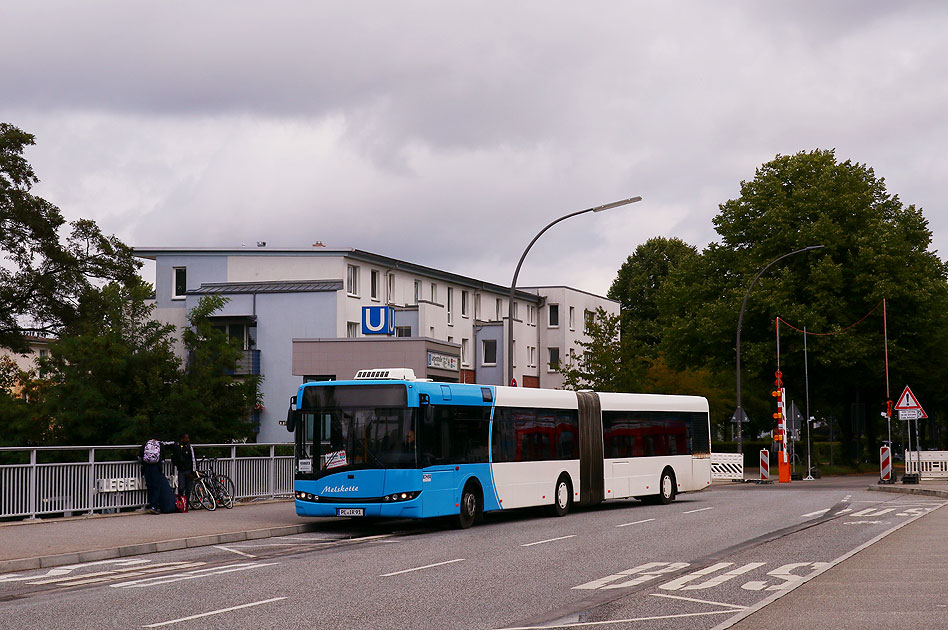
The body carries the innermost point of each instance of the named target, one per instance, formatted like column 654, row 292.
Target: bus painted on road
column 386, row 444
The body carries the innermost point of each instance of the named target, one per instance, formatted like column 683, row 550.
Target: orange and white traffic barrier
column 764, row 464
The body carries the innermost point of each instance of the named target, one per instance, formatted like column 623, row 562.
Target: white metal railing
column 931, row 464
column 727, row 466
column 31, row 488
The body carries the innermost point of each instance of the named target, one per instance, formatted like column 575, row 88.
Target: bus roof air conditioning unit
column 393, row 374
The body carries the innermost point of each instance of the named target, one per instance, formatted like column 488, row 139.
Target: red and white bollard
column 764, row 465
column 885, row 463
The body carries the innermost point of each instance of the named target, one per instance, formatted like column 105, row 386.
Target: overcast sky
column 449, row 133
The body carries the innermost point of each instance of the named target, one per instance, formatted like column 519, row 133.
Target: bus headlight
column 400, row 496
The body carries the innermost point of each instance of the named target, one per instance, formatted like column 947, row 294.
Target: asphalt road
column 690, row 564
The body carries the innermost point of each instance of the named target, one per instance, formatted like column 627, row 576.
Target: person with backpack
column 155, row 481
column 182, row 455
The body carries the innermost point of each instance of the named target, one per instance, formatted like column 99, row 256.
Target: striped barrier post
column 885, row 463
column 764, row 464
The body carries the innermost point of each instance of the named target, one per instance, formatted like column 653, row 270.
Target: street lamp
column 739, row 414
column 513, row 283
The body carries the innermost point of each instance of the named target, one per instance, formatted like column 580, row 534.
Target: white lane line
column 427, row 566
column 700, row 601
column 817, row 513
column 241, row 553
column 701, row 510
column 636, row 522
column 584, row 624
column 213, row 612
column 540, row 542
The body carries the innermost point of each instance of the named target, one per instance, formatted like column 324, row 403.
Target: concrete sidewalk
column 44, row 543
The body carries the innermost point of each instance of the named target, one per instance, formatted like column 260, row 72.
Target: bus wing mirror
column 291, row 415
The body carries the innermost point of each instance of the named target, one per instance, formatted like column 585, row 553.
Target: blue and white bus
column 388, row 445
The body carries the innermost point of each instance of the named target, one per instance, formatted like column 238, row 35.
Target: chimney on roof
column 318, row 244
column 261, row 243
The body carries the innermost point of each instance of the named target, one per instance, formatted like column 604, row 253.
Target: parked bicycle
column 210, row 488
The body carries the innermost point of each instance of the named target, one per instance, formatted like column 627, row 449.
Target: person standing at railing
column 155, row 481
column 182, row 455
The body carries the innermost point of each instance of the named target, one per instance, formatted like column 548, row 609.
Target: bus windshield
column 353, row 426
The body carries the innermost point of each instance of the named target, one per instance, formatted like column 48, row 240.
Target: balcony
column 249, row 363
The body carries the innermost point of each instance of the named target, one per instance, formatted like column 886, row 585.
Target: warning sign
column 908, row 402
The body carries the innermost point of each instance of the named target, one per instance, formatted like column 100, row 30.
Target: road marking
column 873, row 512
column 701, row 510
column 247, row 555
column 100, row 576
column 786, row 574
column 191, row 575
column 865, row 522
column 817, row 513
column 427, row 566
column 584, row 624
column 213, row 612
column 682, row 582
column 700, row 601
column 636, row 522
column 648, row 571
column 540, row 542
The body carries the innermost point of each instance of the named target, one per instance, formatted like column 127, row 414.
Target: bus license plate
column 350, row 511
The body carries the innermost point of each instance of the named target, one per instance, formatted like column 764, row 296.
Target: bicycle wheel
column 226, row 491
column 203, row 496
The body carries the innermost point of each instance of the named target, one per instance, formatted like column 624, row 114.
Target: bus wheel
column 470, row 507
column 563, row 497
column 666, row 487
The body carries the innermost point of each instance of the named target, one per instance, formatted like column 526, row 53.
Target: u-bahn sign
column 378, row 320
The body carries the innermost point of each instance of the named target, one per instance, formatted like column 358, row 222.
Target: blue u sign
column 378, row 320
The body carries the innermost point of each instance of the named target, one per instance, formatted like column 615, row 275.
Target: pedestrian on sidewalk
column 158, row 488
column 182, row 455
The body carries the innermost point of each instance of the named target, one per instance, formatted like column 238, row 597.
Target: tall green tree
column 45, row 272
column 110, row 378
column 874, row 247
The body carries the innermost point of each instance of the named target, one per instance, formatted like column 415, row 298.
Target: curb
column 57, row 560
column 928, row 492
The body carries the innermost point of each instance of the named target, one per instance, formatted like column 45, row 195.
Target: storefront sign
column 442, row 361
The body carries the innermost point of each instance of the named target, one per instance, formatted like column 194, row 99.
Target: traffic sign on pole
column 908, row 401
column 885, row 463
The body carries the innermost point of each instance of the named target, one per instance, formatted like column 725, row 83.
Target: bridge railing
column 102, row 479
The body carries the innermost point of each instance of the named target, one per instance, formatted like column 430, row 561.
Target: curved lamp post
column 513, row 283
column 739, row 414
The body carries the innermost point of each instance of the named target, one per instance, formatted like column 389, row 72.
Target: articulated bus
column 388, row 445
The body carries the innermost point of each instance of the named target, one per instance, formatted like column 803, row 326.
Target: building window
column 531, row 314
column 434, row 293
column 352, row 330
column 554, row 315
column 513, row 354
column 390, row 298
column 352, row 280
column 489, row 352
column 417, row 291
column 499, row 310
column 516, row 315
column 464, row 298
column 572, row 318
column 374, row 284
column 450, row 305
column 180, row 288
column 465, row 351
column 477, row 306
column 554, row 361
column 588, row 318
column 403, row 331
column 531, row 356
